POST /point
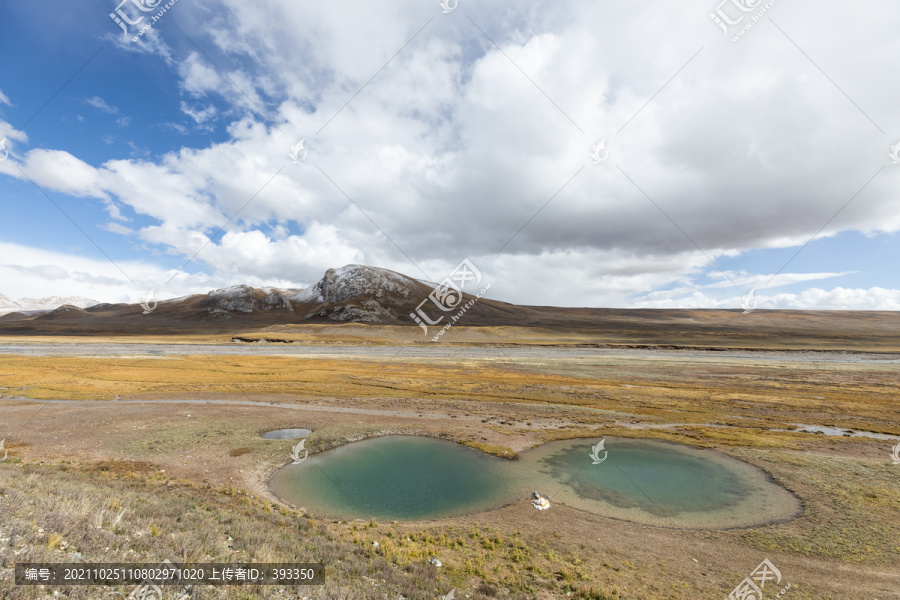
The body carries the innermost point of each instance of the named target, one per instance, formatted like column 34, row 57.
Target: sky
column 579, row 153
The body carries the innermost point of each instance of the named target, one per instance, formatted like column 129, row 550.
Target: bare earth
column 196, row 412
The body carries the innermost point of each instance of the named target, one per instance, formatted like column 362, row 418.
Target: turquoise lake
column 418, row 478
column 397, row 478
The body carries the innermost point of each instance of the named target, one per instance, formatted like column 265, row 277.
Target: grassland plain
column 179, row 452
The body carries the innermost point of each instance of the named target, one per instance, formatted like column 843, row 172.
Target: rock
column 237, row 298
column 355, row 282
column 276, row 300
column 369, row 312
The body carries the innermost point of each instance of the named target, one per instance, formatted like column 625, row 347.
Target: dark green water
column 415, row 478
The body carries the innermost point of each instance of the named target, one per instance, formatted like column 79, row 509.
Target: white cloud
column 763, row 280
column 149, row 44
column 51, row 272
column 63, row 172
column 11, row 133
column 456, row 149
column 199, row 77
column 200, row 116
column 176, row 127
column 838, row 298
column 38, row 273
column 99, row 103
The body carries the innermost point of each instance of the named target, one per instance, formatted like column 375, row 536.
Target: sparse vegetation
column 195, row 478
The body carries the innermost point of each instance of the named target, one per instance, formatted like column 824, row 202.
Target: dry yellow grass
column 850, row 497
column 751, row 396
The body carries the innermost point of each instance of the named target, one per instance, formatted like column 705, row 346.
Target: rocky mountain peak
column 359, row 282
column 244, row 299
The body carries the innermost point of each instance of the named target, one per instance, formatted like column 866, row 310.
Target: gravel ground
column 431, row 351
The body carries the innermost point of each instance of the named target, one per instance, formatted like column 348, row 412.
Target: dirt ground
column 199, row 419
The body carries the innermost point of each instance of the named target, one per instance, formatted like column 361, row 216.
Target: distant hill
column 376, row 296
column 37, row 304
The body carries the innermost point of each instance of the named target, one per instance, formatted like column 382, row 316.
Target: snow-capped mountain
column 353, row 293
column 371, row 295
column 350, row 293
column 8, row 305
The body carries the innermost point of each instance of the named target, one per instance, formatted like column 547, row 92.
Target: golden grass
column 850, row 515
column 501, row 451
column 682, row 391
column 855, row 516
column 123, row 511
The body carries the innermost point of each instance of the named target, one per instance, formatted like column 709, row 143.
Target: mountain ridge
column 353, row 293
column 8, row 305
column 372, row 296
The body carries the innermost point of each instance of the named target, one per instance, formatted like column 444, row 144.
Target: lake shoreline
column 750, row 472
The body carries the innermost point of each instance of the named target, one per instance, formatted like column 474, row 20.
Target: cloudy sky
column 752, row 155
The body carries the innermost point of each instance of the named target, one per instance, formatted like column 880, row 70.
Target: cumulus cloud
column 63, row 172
column 474, row 141
column 200, row 116
column 10, row 133
column 38, row 273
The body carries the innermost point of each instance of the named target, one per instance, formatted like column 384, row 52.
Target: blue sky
column 476, row 135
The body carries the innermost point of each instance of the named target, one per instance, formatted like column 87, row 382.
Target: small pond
column 646, row 481
column 395, row 478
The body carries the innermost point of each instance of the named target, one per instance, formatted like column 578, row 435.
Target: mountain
column 375, row 296
column 354, row 293
column 39, row 304
column 7, row 305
